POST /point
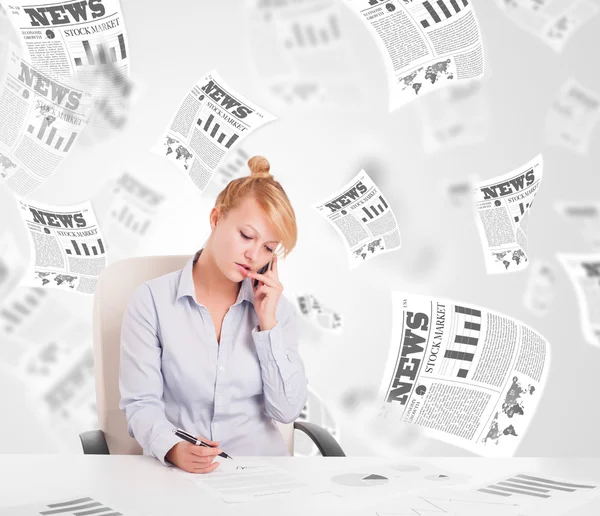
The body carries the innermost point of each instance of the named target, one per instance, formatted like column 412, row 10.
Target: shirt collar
column 186, row 284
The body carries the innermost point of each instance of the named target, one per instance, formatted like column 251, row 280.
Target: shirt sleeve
column 140, row 377
column 283, row 375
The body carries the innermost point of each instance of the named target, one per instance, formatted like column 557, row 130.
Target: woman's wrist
column 266, row 325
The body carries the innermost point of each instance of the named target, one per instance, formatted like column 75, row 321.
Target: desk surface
column 143, row 486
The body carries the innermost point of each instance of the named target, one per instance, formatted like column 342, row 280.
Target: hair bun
column 259, row 166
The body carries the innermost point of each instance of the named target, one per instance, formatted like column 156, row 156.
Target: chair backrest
column 115, row 285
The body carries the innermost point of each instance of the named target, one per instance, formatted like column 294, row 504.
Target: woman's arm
column 283, row 376
column 140, row 377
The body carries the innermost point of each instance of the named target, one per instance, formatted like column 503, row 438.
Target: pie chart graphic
column 359, row 480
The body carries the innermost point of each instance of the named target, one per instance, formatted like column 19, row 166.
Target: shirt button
column 216, row 425
column 221, row 368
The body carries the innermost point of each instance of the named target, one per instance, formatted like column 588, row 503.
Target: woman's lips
column 243, row 270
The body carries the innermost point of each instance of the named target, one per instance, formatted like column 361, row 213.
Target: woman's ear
column 214, row 217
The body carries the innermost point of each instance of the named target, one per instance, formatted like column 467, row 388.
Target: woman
column 212, row 348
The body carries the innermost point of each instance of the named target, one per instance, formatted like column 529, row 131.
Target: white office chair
column 115, row 285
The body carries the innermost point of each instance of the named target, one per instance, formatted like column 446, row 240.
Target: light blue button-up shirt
column 175, row 374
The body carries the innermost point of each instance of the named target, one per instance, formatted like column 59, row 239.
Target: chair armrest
column 94, row 443
column 326, row 443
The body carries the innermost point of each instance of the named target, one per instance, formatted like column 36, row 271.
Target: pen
column 191, row 439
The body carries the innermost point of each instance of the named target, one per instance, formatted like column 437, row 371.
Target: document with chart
column 362, row 217
column 210, row 121
column 67, row 246
column 468, row 375
column 46, row 116
column 76, row 506
column 503, row 205
column 426, row 44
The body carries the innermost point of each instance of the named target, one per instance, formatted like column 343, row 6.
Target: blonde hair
column 269, row 195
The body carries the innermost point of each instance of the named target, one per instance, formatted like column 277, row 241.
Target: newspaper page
column 572, row 117
column 584, row 272
column 585, row 216
column 300, row 52
column 360, row 214
column 44, row 118
column 503, row 204
column 234, row 166
column 426, row 44
column 455, row 116
column 553, row 21
column 210, row 121
column 539, row 291
column 72, row 37
column 317, row 314
column 470, row 376
column 68, row 249
column 131, row 215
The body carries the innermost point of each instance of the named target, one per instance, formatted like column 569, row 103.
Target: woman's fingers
column 204, row 451
column 202, row 470
column 207, row 441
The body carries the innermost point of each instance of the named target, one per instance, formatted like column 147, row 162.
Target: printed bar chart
column 126, row 218
column 96, row 249
column 374, row 211
column 51, row 135
column 429, row 15
column 101, row 53
column 310, row 35
column 215, row 129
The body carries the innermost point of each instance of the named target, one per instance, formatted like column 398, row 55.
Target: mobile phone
column 262, row 270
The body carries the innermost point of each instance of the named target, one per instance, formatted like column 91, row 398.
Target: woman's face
column 242, row 238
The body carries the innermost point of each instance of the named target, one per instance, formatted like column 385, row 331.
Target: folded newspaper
column 426, row 44
column 584, row 272
column 210, row 121
column 471, row 376
column 68, row 249
column 503, row 204
column 361, row 215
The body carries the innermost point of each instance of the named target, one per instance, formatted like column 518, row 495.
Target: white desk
column 142, row 485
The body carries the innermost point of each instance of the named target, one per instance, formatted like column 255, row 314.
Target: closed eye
column 245, row 236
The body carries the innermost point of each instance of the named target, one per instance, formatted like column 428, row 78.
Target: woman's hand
column 192, row 458
column 266, row 296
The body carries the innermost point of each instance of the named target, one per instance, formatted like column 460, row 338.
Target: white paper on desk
column 78, row 505
column 372, row 483
column 446, row 502
column 539, row 494
column 238, row 481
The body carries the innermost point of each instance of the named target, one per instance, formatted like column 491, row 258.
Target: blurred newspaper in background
column 133, row 208
column 320, row 316
column 584, row 272
column 361, row 215
column 455, row 116
column 471, row 376
column 299, row 51
column 63, row 39
column 539, row 290
column 42, row 118
column 425, row 44
column 12, row 266
column 572, row 117
column 210, row 121
column 47, row 343
column 68, row 247
column 585, row 217
column 553, row 21
column 503, row 204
